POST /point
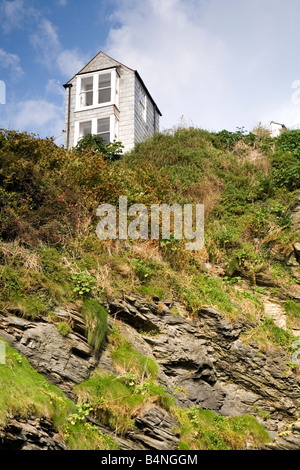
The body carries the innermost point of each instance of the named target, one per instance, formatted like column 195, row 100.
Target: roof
column 278, row 124
column 81, row 72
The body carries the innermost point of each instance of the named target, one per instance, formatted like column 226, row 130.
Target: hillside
column 142, row 344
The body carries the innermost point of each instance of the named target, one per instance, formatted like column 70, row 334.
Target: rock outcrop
column 286, row 440
column 64, row 361
column 202, row 362
column 206, row 361
column 30, row 434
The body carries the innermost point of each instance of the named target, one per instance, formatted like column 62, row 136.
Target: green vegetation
column 95, row 143
column 205, row 430
column 95, row 316
column 26, row 393
column 63, row 328
column 276, row 335
column 51, row 257
column 293, row 313
column 117, row 400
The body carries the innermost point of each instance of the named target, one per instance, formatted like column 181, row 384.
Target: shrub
column 84, row 283
column 95, row 317
column 289, row 141
column 112, row 150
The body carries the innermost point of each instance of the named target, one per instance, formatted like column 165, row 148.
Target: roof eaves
column 152, row 100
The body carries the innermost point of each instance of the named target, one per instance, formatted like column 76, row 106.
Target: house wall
column 125, row 113
column 276, row 129
column 126, row 106
column 144, row 128
column 131, row 126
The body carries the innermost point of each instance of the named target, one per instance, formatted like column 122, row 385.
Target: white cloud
column 12, row 13
column 54, row 87
column 43, row 36
column 46, row 118
column 33, row 112
column 51, row 53
column 45, row 41
column 70, row 61
column 219, row 64
column 12, row 63
column 180, row 62
column 62, row 3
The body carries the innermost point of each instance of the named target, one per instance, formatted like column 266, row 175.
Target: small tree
column 111, row 151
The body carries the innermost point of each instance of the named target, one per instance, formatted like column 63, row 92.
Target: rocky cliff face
column 205, row 360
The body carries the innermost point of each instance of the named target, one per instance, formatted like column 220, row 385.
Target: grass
column 117, row 400
column 51, row 257
column 205, row 430
column 26, row 393
column 127, row 359
column 292, row 310
column 95, row 317
column 266, row 334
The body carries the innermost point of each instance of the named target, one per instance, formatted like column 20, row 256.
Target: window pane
column 105, row 137
column 104, row 95
column 103, row 125
column 103, row 129
column 85, row 128
column 87, row 84
column 104, row 80
column 87, row 99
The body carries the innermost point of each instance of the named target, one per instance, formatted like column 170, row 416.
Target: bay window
column 84, row 129
column 104, row 88
column 107, row 128
column 97, row 89
column 103, row 129
column 86, row 92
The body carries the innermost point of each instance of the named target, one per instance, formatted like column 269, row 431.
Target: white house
column 109, row 99
column 276, row 128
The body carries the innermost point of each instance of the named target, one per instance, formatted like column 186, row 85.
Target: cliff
column 141, row 344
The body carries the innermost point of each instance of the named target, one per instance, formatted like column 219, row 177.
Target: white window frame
column 113, row 127
column 142, row 101
column 95, row 75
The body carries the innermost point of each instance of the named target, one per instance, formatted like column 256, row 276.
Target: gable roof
column 111, row 63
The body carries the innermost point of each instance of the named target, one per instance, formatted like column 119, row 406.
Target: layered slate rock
column 65, row 361
column 286, row 440
column 155, row 430
column 202, row 362
column 30, row 434
column 208, row 365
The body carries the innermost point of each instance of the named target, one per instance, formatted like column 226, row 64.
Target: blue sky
column 221, row 64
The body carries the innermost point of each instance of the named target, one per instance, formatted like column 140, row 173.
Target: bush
column 289, row 141
column 112, row 150
column 84, row 283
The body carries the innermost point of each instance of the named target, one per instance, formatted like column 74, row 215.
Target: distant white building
column 109, row 99
column 276, row 128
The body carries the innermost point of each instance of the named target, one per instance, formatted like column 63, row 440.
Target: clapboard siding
column 126, row 120
column 132, row 127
